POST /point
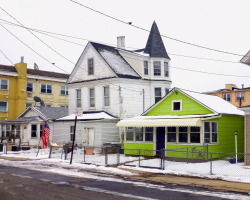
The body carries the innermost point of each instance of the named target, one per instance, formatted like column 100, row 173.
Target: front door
column 91, row 136
column 160, row 139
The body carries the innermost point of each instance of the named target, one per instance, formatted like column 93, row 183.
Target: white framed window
column 78, row 98
column 90, row 66
column 140, row 134
column 106, row 96
column 240, row 96
column 3, row 106
column 227, row 96
column 64, row 90
column 4, row 84
column 91, row 97
column 176, row 105
column 182, row 135
column 166, row 69
column 29, row 87
column 157, row 68
column 72, row 129
column 157, row 94
column 46, row 88
column 210, row 132
column 145, row 64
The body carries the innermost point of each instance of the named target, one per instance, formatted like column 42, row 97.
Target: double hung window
column 106, row 96
column 157, row 68
column 210, row 132
column 157, row 94
column 90, row 66
column 3, row 106
column 78, row 98
column 3, row 84
column 145, row 63
column 91, row 97
column 45, row 88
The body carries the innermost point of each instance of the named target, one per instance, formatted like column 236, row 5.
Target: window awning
column 159, row 122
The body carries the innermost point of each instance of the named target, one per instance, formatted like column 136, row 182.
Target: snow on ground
column 216, row 170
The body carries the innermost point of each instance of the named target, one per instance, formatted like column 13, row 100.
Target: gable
column 188, row 107
column 101, row 68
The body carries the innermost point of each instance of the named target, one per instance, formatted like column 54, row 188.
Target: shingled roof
column 116, row 62
column 155, row 46
column 9, row 68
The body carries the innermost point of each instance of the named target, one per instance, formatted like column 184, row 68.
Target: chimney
column 22, row 59
column 230, row 86
column 121, row 42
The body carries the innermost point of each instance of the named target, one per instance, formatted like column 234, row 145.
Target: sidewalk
column 174, row 179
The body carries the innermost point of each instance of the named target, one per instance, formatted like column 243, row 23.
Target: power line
column 6, row 57
column 171, row 38
column 48, row 34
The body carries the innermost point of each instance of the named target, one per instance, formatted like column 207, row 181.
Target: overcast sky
column 215, row 24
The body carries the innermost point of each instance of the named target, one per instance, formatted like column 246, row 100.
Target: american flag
column 46, row 131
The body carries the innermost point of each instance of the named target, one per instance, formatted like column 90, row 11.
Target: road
column 19, row 184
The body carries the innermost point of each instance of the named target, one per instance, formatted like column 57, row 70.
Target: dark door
column 160, row 139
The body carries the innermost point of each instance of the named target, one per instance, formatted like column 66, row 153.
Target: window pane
column 183, row 137
column 166, row 72
column 171, row 137
column 106, row 96
column 207, row 126
column 49, row 89
column 4, row 84
column 149, row 135
column 177, row 105
column 195, row 137
column 183, row 129
column 138, row 134
column 129, row 134
column 33, row 130
column 29, row 87
column 214, row 137
column 194, row 129
column 157, row 94
column 214, row 127
column 91, row 92
column 43, row 88
column 171, row 129
column 207, row 138
column 91, row 66
column 3, row 106
column 157, row 68
column 145, row 67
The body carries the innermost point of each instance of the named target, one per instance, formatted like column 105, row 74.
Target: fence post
column 50, row 150
column 187, row 155
column 139, row 157
column 106, row 155
column 211, row 167
column 207, row 152
column 162, row 158
column 118, row 155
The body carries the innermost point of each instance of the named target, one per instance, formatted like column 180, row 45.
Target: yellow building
column 237, row 96
column 19, row 85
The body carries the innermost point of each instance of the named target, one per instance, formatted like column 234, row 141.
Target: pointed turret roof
column 155, row 46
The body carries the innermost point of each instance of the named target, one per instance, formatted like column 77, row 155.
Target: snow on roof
column 118, row 64
column 88, row 116
column 213, row 102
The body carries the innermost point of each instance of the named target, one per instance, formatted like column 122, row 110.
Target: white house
column 121, row 82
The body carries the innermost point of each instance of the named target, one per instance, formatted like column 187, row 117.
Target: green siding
column 144, row 149
column 189, row 106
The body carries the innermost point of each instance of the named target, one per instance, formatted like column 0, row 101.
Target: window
column 18, row 130
column 45, row 88
column 29, row 87
column 157, row 68
column 33, row 130
column 64, row 90
column 166, row 70
column 176, row 105
column 78, row 98
column 240, row 96
column 139, row 134
column 91, row 97
column 8, row 130
column 90, row 66
column 28, row 105
column 41, row 130
column 129, row 134
column 106, row 96
column 171, row 134
column 72, row 129
column 145, row 63
column 3, row 84
column 210, row 132
column 63, row 106
column 157, row 94
column 3, row 130
column 183, row 134
column 3, row 106
column 227, row 97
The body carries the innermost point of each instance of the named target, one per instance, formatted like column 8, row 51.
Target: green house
column 187, row 121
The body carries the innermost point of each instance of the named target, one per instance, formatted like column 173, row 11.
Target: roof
column 155, row 46
column 212, row 102
column 227, row 90
column 115, row 60
column 89, row 116
column 47, row 113
column 9, row 68
column 246, row 58
column 22, row 120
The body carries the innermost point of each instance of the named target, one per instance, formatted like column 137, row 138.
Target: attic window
column 90, row 66
column 176, row 105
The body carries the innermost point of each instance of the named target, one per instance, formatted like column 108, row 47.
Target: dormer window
column 157, row 68
column 90, row 66
column 176, row 105
column 145, row 67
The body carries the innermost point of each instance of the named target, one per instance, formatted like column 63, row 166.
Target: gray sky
column 220, row 25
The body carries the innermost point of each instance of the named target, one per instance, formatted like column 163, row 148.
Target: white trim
column 176, row 101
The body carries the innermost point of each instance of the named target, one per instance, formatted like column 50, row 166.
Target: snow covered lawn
column 217, row 169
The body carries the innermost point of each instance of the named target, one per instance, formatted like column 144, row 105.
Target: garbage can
column 232, row 160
